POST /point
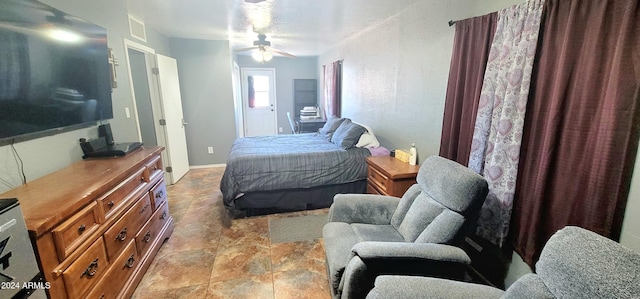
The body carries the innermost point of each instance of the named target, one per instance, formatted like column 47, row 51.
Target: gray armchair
column 575, row 263
column 369, row 235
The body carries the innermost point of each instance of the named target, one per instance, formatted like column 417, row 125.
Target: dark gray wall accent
column 204, row 68
column 140, row 80
column 287, row 69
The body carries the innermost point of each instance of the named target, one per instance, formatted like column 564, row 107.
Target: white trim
column 207, row 166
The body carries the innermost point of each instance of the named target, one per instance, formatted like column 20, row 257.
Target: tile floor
column 205, row 259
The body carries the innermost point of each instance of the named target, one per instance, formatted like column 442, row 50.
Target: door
column 259, row 101
column 173, row 122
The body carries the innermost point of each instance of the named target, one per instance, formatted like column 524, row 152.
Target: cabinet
column 389, row 176
column 98, row 224
column 305, row 93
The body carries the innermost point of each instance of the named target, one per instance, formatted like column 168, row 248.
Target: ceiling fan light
column 257, row 55
column 267, row 56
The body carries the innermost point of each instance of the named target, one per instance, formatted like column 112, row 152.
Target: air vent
column 136, row 27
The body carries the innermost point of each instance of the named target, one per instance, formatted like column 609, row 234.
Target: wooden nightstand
column 387, row 175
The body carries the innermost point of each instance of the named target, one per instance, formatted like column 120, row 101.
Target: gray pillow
column 330, row 126
column 347, row 134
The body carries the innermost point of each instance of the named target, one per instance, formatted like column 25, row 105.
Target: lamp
column 262, row 55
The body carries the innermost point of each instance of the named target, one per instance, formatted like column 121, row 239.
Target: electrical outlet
column 210, row 150
column 280, row 129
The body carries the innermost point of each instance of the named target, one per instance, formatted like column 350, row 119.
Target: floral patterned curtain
column 495, row 149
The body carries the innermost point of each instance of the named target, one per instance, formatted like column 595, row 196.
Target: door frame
column 243, row 70
column 156, row 106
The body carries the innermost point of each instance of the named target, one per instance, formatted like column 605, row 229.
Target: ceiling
column 300, row 27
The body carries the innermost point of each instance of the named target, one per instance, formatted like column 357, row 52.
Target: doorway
column 259, row 101
column 158, row 106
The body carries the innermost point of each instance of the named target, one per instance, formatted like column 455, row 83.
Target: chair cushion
column 452, row 185
column 577, row 263
column 340, row 237
column 528, row 286
column 420, row 215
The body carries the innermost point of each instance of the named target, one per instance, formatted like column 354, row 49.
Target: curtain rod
column 451, row 23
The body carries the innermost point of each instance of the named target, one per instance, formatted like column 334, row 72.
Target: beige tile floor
column 205, row 259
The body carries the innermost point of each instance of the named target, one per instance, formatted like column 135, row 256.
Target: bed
column 270, row 174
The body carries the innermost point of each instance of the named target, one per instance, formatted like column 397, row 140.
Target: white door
column 173, row 121
column 259, row 101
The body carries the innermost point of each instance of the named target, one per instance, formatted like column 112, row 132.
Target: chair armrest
column 369, row 260
column 388, row 286
column 363, row 208
column 389, row 251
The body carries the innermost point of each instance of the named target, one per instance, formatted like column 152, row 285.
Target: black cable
column 21, row 165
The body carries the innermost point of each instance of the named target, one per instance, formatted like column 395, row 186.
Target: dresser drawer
column 378, row 179
column 71, row 233
column 153, row 168
column 152, row 229
column 125, row 229
column 118, row 273
column 86, row 270
column 114, row 200
column 159, row 194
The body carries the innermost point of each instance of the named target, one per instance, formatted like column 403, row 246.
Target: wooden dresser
column 98, row 224
column 389, row 176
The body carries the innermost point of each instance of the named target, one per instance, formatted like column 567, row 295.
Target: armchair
column 370, row 235
column 575, row 263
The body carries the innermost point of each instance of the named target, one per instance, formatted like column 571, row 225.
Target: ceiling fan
column 265, row 51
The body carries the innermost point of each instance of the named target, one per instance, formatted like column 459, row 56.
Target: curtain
column 251, row 92
column 471, row 45
column 581, row 137
column 332, row 75
column 497, row 135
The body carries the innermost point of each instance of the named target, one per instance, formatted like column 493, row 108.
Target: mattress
column 281, row 162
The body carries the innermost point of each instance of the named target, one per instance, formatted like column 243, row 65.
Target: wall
column 395, row 77
column 204, row 68
column 287, row 69
column 48, row 154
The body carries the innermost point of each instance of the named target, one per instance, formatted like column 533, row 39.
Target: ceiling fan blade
column 246, row 49
column 280, row 52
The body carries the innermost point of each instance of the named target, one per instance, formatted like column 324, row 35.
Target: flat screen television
column 54, row 72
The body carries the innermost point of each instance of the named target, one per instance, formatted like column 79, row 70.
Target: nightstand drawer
column 378, row 179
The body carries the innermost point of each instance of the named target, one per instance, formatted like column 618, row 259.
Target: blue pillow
column 347, row 134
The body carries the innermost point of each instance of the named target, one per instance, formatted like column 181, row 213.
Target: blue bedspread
column 288, row 162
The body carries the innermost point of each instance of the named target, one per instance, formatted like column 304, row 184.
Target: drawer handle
column 92, row 269
column 81, row 229
column 163, row 216
column 160, row 194
column 147, row 237
column 142, row 179
column 130, row 262
column 144, row 208
column 122, row 235
column 110, row 204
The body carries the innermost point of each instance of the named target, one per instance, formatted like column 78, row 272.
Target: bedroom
column 385, row 102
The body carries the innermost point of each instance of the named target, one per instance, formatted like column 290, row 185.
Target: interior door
column 259, row 101
column 173, row 121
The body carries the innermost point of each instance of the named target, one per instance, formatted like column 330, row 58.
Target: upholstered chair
column 369, row 235
column 575, row 263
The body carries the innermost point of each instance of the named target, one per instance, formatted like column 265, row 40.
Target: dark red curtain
column 332, row 89
column 582, row 123
column 471, row 46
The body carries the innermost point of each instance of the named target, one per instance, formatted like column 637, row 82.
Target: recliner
column 575, row 263
column 369, row 235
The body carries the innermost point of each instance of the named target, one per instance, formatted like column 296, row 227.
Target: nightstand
column 387, row 175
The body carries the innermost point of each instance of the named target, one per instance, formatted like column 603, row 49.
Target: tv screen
column 54, row 71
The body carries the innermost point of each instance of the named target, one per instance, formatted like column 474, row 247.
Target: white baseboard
column 207, row 166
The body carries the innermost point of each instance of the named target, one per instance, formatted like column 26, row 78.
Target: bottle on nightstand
column 413, row 155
